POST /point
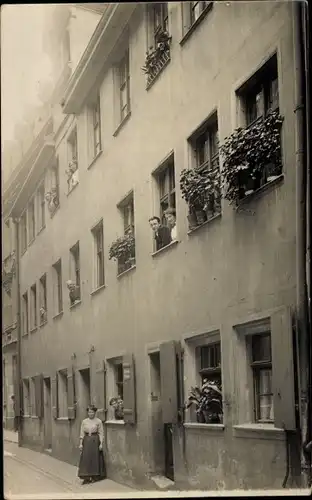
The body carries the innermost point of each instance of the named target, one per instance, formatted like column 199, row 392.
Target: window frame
column 25, row 310
column 75, row 263
column 41, row 207
column 72, row 148
column 24, row 232
column 62, row 383
column 99, row 268
column 128, row 224
column 124, row 84
column 113, row 384
column 43, row 301
column 58, row 287
column 164, row 19
column 26, row 398
column 256, row 368
column 163, row 176
column 31, row 209
column 95, row 121
column 33, row 307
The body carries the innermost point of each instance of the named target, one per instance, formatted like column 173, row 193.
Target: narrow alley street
column 33, row 474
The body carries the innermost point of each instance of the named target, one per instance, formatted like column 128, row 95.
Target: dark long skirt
column 91, row 463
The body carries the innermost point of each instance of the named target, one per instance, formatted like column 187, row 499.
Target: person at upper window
column 171, row 219
column 161, row 233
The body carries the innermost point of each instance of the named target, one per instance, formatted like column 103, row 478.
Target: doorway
column 47, row 413
column 161, row 433
column 84, row 390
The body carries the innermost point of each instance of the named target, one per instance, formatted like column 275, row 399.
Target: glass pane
column 211, row 356
column 265, row 381
column 162, row 185
column 214, row 141
column 261, row 347
column 202, row 149
column 266, row 408
column 273, row 96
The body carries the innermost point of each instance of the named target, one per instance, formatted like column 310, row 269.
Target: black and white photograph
column 156, row 249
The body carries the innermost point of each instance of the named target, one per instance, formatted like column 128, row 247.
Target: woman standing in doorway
column 91, row 464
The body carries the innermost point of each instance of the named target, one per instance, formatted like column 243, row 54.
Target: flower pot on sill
column 272, row 178
column 250, row 186
column 192, row 220
column 201, row 216
column 200, row 418
column 211, row 418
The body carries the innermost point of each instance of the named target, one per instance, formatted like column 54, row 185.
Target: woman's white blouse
column 91, row 426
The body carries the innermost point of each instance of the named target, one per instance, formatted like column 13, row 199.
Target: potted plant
column 157, row 56
column 118, row 406
column 208, row 402
column 194, row 185
column 123, row 249
column 251, row 156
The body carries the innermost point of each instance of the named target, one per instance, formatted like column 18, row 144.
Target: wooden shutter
column 54, row 397
column 71, row 406
column 100, row 390
column 129, row 389
column 38, row 381
column 17, row 397
column 283, row 370
column 168, row 380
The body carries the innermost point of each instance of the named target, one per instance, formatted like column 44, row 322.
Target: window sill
column 58, row 315
column 23, row 252
column 167, row 247
column 77, row 303
column 215, row 217
column 114, row 422
column 33, row 330
column 258, row 431
column 206, row 427
column 72, row 189
column 43, row 324
column 31, row 241
column 126, row 271
column 196, row 23
column 151, row 83
column 259, row 192
column 34, row 417
column 93, row 161
column 122, row 124
column 62, row 419
column 41, row 229
column 25, row 334
column 97, row 290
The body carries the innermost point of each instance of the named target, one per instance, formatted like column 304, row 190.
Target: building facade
column 218, row 301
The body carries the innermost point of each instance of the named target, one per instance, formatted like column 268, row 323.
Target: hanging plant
column 198, row 187
column 251, row 156
column 123, row 248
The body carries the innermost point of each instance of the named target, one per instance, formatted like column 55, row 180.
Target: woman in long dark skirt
column 91, row 463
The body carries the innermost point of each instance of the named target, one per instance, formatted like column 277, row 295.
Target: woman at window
column 91, row 464
column 170, row 215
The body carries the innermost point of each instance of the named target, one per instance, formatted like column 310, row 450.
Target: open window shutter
column 100, row 390
column 54, row 396
column 283, row 370
column 39, row 396
column 71, row 407
column 129, row 389
column 168, row 379
column 18, row 397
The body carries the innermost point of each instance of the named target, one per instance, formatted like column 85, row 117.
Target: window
column 203, row 369
column 165, row 178
column 41, row 207
column 257, row 98
column 24, row 232
column 126, row 208
column 62, row 394
column 99, row 254
column 25, row 319
column 158, row 53
column 74, row 293
column 95, row 111
column 52, row 196
column 31, row 220
column 26, row 398
column 43, row 299
column 261, row 364
column 72, row 172
column 118, row 369
column 57, row 288
column 124, row 86
column 205, row 150
column 160, row 19
column 192, row 11
column 260, row 93
column 33, row 307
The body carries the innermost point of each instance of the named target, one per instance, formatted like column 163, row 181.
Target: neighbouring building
column 104, row 312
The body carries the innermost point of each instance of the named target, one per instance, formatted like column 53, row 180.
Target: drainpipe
column 301, row 235
column 19, row 333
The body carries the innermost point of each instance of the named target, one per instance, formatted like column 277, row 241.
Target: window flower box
column 52, row 197
column 123, row 251
column 252, row 157
column 157, row 57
